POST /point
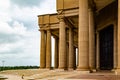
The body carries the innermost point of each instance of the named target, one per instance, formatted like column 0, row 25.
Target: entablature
column 48, row 19
column 73, row 4
column 66, row 4
column 50, row 27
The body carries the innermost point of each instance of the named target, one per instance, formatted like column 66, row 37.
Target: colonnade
column 118, row 36
column 86, row 42
column 86, row 45
column 61, row 61
column 45, row 56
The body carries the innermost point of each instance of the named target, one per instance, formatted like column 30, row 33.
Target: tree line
column 17, row 67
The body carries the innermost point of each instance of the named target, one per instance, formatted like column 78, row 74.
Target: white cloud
column 27, row 3
column 48, row 6
column 26, row 15
column 5, row 5
column 9, row 47
column 19, row 28
column 18, row 40
column 5, row 28
column 19, row 35
column 16, row 28
column 4, row 11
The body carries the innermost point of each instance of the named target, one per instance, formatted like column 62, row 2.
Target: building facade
column 91, row 26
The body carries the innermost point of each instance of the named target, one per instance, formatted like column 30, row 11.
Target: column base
column 55, row 67
column 83, row 68
column 42, row 68
column 117, row 70
column 61, row 70
column 97, row 69
column 61, row 67
column 113, row 70
column 70, row 69
column 49, row 68
column 83, row 72
column 93, row 70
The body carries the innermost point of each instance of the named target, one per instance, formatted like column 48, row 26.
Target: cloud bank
column 27, row 3
column 19, row 35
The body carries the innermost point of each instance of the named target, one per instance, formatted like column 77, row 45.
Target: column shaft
column 71, row 50
column 118, row 67
column 62, row 45
column 67, row 56
column 97, row 52
column 43, row 50
column 91, row 40
column 56, row 52
column 83, row 36
column 74, row 59
column 48, row 50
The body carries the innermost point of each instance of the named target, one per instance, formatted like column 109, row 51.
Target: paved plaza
column 41, row 74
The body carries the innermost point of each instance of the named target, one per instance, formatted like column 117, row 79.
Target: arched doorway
column 106, row 43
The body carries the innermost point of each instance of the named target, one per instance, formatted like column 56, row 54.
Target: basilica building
column 86, row 34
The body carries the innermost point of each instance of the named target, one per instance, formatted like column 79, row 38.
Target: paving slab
column 59, row 75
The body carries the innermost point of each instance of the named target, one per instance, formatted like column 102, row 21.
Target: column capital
column 90, row 9
column 41, row 26
column 91, row 4
column 55, row 37
column 71, row 28
column 61, row 18
column 47, row 25
column 60, row 11
column 49, row 30
column 41, row 30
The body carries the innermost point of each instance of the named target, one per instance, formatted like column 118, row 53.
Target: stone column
column 74, row 59
column 77, row 58
column 118, row 66
column 83, row 36
column 71, row 50
column 67, row 55
column 48, row 50
column 62, row 44
column 97, row 51
column 56, row 52
column 43, row 50
column 115, row 46
column 91, row 40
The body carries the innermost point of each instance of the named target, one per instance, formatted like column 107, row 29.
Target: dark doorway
column 106, row 48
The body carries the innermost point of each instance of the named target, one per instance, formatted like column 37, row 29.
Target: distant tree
column 17, row 67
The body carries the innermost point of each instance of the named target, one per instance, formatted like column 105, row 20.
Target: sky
column 19, row 35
